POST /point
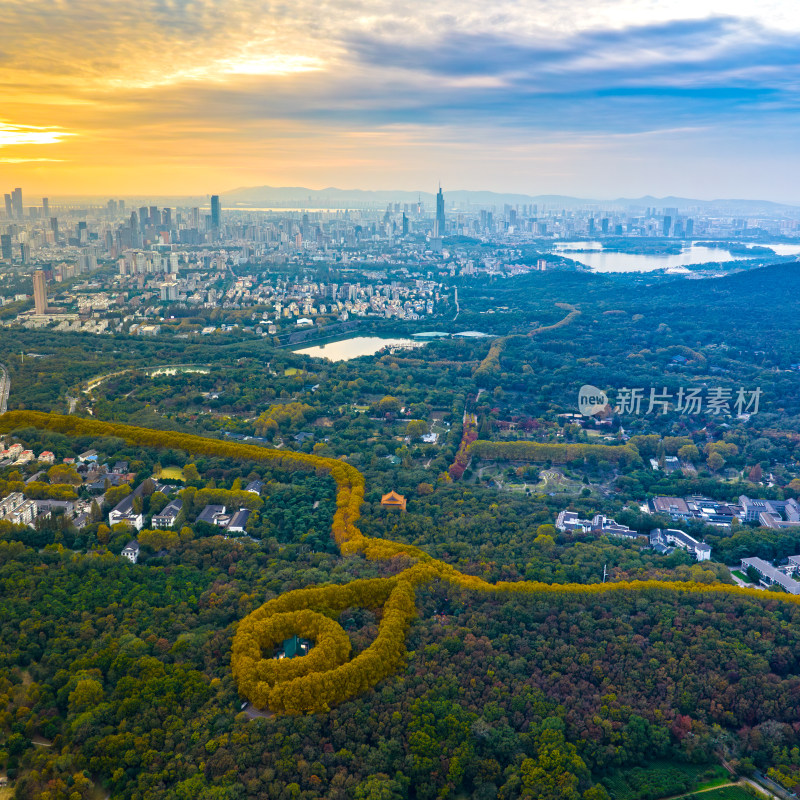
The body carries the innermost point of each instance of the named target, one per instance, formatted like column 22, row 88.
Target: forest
column 464, row 648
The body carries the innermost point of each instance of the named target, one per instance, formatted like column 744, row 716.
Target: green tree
column 86, row 694
column 416, row 428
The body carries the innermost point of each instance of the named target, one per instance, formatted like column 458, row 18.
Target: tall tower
column 215, row 211
column 40, row 292
column 16, row 203
column 438, row 227
column 9, row 207
column 46, row 207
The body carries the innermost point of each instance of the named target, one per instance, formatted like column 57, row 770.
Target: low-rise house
column 770, row 575
column 123, row 512
column 660, row 538
column 238, row 521
column 214, row 515
column 167, row 516
column 568, row 522
column 712, row 512
column 255, row 487
column 67, row 507
column 46, row 457
column 131, row 551
column 25, row 457
column 675, row 507
column 771, row 513
column 82, row 520
column 610, row 527
column 89, row 455
column 100, row 483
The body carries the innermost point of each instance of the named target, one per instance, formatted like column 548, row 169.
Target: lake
column 357, row 346
column 599, row 260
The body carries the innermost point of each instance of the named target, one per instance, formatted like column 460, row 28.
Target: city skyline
column 624, row 99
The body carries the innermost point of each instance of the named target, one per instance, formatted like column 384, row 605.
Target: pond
column 357, row 346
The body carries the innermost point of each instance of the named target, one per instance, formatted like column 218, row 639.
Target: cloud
column 201, row 83
column 11, row 135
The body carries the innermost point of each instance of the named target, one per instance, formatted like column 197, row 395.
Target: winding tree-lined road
column 5, row 387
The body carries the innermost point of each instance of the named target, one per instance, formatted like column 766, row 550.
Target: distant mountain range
column 332, row 197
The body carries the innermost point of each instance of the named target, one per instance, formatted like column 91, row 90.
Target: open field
column 171, row 474
column 662, row 779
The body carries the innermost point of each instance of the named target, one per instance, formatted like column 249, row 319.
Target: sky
column 591, row 98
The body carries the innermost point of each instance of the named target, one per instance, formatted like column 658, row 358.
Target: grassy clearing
column 171, row 474
column 664, row 779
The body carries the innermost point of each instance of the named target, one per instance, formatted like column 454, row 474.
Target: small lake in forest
column 356, row 346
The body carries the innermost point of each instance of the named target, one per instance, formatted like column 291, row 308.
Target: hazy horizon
column 426, row 194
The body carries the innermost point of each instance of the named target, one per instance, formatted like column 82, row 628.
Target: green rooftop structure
column 295, row 646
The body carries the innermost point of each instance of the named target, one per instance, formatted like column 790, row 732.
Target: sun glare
column 26, row 134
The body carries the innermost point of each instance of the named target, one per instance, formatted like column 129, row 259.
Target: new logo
column 591, row 400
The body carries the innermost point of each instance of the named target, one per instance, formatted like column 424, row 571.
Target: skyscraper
column 40, row 292
column 438, row 227
column 215, row 211
column 5, row 246
column 16, row 203
column 45, row 207
column 9, row 207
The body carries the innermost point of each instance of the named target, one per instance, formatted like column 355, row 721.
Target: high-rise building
column 438, row 227
column 54, row 226
column 40, row 291
column 45, row 207
column 16, row 203
column 216, row 214
column 9, row 207
column 5, row 247
column 667, row 226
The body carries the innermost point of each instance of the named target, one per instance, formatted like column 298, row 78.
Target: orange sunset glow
column 187, row 97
